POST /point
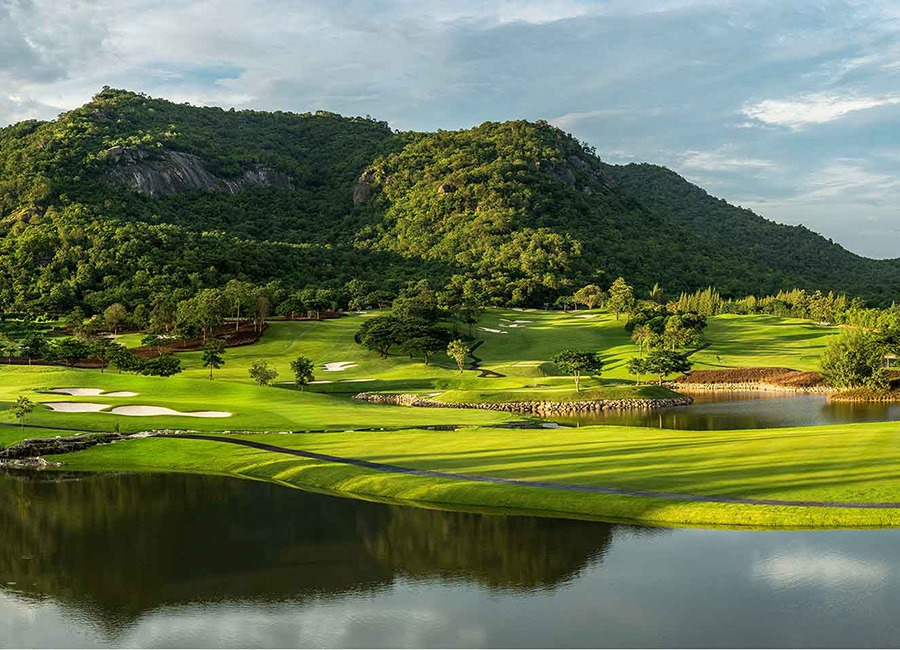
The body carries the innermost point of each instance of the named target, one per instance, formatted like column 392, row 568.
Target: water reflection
column 192, row 561
column 750, row 410
column 117, row 546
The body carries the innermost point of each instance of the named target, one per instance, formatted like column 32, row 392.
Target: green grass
column 859, row 462
column 844, row 463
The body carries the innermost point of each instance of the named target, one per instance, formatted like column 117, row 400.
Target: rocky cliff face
column 177, row 171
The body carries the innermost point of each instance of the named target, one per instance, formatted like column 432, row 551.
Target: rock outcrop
column 176, row 171
column 533, row 408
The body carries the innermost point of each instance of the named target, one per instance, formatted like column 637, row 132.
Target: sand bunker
column 587, row 315
column 162, row 410
column 317, row 381
column 511, row 325
column 492, row 330
column 92, row 392
column 523, row 321
column 337, row 366
column 347, row 381
column 76, row 407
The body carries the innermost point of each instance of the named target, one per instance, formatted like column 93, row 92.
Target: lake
column 192, row 561
column 744, row 410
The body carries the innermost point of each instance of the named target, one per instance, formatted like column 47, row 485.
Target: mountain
column 130, row 196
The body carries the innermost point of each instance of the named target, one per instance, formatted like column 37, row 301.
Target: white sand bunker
column 523, row 321
column 511, row 325
column 76, row 407
column 143, row 411
column 347, row 381
column 92, row 392
column 317, row 381
column 586, row 316
column 337, row 366
column 492, row 330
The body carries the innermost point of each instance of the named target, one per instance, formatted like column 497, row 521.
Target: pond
column 744, row 410
column 194, row 561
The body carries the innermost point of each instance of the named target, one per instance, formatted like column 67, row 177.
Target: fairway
column 851, row 463
column 858, row 463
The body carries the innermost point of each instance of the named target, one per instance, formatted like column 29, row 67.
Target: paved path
column 396, row 469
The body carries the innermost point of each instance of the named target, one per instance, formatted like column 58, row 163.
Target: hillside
column 129, row 196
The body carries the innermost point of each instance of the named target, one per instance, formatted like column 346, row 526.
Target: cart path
column 396, row 469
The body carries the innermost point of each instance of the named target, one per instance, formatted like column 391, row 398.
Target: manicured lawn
column 844, row 463
column 848, row 463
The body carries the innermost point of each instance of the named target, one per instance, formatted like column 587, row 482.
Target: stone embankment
column 747, row 386
column 36, row 447
column 534, row 408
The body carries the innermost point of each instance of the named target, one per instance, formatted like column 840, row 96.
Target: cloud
column 723, row 160
column 806, row 569
column 815, row 108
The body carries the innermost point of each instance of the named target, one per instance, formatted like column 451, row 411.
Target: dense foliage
column 129, row 201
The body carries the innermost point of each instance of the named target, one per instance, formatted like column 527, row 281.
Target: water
column 193, row 561
column 745, row 410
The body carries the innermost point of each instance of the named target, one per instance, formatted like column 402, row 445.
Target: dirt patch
column 772, row 376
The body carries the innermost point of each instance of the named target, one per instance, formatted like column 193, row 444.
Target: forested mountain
column 128, row 197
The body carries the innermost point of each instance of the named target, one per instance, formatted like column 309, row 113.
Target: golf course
column 322, row 439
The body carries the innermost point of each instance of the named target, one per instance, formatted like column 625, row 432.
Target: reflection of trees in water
column 117, row 546
column 509, row 553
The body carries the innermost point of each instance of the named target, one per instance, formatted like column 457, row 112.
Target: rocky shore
column 534, row 408
column 748, row 386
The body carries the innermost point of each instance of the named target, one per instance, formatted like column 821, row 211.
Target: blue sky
column 788, row 108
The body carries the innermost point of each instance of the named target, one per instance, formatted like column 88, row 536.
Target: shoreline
column 529, row 407
column 749, row 386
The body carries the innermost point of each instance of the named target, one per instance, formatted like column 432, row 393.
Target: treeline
column 522, row 211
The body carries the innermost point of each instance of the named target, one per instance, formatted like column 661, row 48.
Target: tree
column 115, row 316
column 662, row 363
column 154, row 340
column 458, row 351
column 621, row 297
column 69, row 350
column 303, row 371
column 642, row 335
column 74, row 320
column 164, row 365
column 107, row 351
column 8, row 347
column 470, row 312
column 238, row 295
column 33, row 346
column 22, row 408
column 213, row 355
column 855, row 358
column 379, row 333
column 576, row 362
column 423, row 345
column 262, row 373
column 590, row 296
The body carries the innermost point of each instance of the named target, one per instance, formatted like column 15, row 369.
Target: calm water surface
column 750, row 410
column 187, row 561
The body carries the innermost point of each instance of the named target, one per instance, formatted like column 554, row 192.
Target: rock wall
column 533, row 408
column 178, row 172
column 748, row 386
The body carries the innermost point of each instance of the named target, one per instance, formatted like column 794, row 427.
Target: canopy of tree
column 128, row 198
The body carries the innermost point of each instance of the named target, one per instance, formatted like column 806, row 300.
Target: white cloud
column 815, row 108
column 817, row 570
column 723, row 160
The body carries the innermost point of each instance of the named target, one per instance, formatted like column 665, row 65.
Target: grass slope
column 847, row 463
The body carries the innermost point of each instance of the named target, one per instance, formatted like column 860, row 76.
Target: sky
column 790, row 108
